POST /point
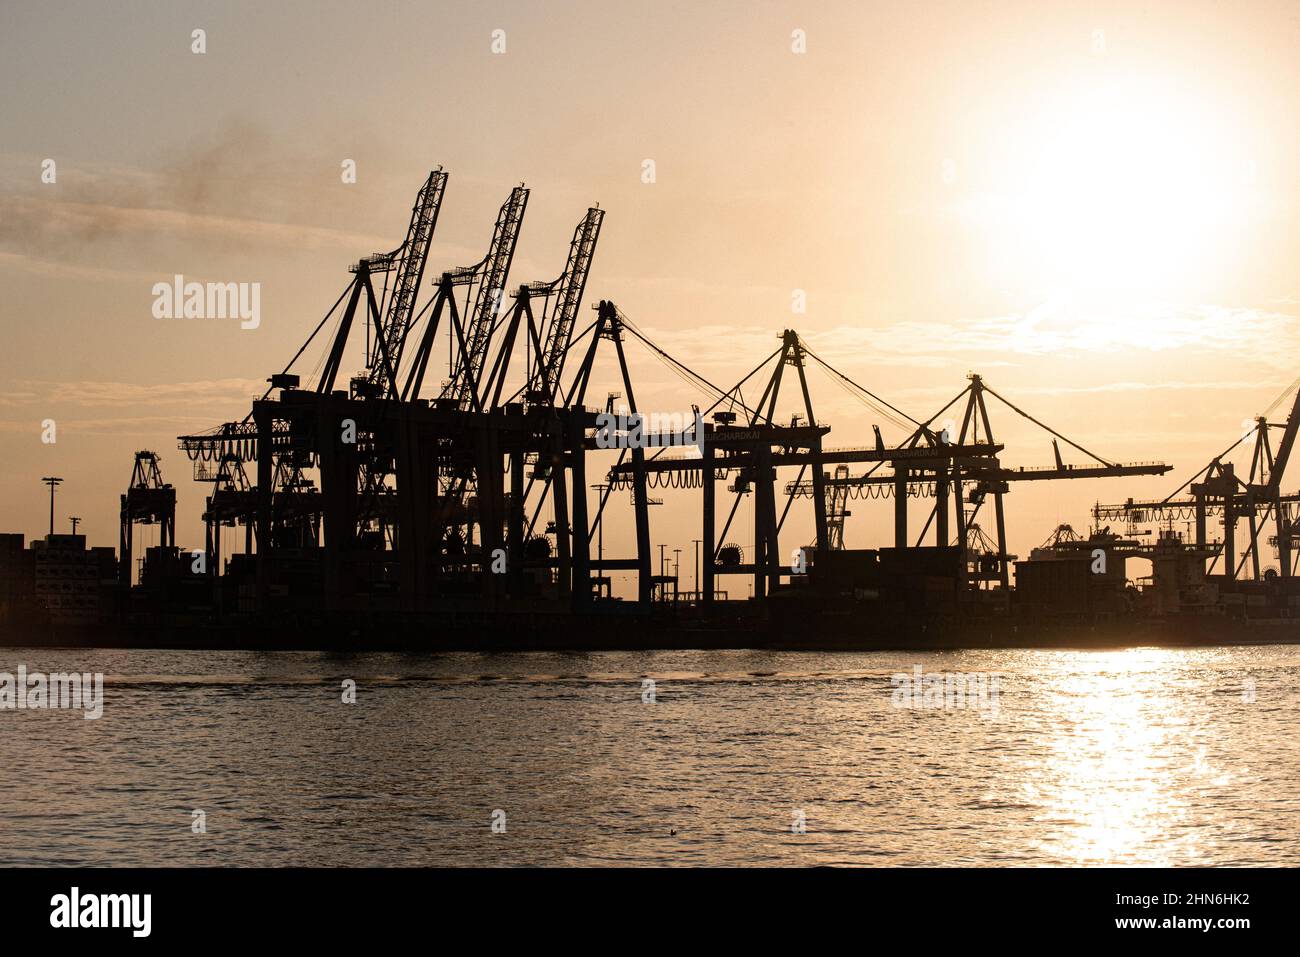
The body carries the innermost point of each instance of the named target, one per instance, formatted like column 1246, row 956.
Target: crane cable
column 1044, row 426
column 863, row 389
column 689, row 374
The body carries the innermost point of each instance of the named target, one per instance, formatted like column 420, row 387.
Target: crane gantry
column 968, row 482
column 1217, row 490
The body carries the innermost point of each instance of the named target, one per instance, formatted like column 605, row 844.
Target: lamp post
column 600, row 527
column 52, row 481
column 697, row 542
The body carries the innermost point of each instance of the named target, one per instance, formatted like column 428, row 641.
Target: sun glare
column 1117, row 188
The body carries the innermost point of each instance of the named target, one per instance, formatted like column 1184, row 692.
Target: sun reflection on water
column 1116, row 781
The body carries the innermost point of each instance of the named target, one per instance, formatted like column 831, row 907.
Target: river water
column 1145, row 756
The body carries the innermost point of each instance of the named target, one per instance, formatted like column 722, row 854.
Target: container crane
column 408, row 262
column 969, row 481
column 1217, row 489
column 491, row 275
column 148, row 500
column 568, row 291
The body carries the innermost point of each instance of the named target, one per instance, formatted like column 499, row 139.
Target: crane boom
column 1285, row 446
column 568, row 300
column 409, row 260
column 492, row 275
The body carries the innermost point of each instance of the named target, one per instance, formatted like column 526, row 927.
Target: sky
column 1092, row 205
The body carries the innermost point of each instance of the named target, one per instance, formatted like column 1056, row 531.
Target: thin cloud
column 1057, row 329
column 151, row 426
column 125, row 394
column 1115, row 387
column 55, row 226
column 36, row 266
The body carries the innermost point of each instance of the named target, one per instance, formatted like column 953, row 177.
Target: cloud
column 14, row 397
column 92, row 407
column 235, row 189
column 44, row 228
column 124, row 394
column 128, row 425
column 65, row 270
column 1058, row 328
column 176, row 393
column 1053, row 328
column 1239, row 385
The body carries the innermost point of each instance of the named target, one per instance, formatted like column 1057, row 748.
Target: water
column 1148, row 756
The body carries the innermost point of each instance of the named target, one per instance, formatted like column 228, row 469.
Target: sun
column 1116, row 188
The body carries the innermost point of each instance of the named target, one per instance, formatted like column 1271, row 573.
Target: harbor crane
column 1217, row 490
column 968, row 482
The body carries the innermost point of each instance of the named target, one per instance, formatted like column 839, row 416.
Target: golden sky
column 1092, row 205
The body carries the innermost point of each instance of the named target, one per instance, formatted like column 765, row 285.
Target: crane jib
column 414, row 253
